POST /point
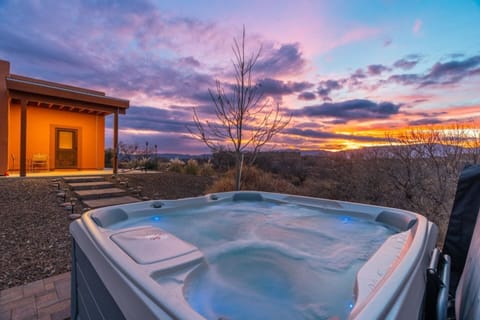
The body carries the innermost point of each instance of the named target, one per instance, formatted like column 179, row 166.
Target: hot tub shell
column 114, row 278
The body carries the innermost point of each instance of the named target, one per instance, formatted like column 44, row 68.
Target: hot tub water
column 271, row 260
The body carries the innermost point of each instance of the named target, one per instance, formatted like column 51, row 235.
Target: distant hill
column 316, row 153
column 167, row 156
column 438, row 150
column 416, row 150
column 182, row 156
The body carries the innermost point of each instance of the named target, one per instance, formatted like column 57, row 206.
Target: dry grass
column 253, row 179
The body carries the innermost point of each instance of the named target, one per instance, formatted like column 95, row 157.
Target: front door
column 65, row 148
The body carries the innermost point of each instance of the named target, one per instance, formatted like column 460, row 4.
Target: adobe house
column 51, row 126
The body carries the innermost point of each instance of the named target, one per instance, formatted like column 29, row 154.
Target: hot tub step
column 97, row 203
column 90, row 185
column 83, row 179
column 100, row 193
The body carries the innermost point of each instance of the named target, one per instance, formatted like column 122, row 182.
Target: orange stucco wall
column 4, row 71
column 41, row 125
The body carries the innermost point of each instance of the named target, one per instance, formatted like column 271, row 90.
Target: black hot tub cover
column 462, row 221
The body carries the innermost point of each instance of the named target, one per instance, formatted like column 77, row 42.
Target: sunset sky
column 347, row 71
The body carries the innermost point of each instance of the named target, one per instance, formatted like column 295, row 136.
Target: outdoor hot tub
column 250, row 255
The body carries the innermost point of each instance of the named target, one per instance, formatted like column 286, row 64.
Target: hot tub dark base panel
column 90, row 298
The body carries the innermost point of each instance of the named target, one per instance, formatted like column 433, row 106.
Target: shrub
column 108, row 158
column 128, row 164
column 192, row 167
column 207, row 170
column 253, row 179
column 176, row 165
column 163, row 165
column 223, row 160
column 288, row 164
column 148, row 163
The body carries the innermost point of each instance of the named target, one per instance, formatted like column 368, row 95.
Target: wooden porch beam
column 23, row 138
column 115, row 142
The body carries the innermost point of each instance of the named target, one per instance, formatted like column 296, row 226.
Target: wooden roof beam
column 36, row 88
column 65, row 102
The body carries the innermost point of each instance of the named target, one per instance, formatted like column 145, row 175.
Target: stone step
column 76, row 179
column 100, row 193
column 90, row 185
column 105, row 202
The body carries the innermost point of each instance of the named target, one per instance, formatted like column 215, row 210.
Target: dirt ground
column 34, row 238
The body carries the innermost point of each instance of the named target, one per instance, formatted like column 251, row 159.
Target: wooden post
column 4, row 117
column 23, row 139
column 115, row 142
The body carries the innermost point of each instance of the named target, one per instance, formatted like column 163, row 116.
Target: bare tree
column 245, row 119
column 473, row 145
column 425, row 167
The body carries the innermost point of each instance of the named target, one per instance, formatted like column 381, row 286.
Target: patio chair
column 39, row 162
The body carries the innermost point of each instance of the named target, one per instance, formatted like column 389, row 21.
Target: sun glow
column 456, row 134
column 131, row 131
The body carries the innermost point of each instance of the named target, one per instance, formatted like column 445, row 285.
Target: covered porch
column 51, row 127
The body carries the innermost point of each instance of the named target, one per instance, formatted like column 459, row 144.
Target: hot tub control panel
column 151, row 245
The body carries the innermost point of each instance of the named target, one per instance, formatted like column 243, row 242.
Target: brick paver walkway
column 46, row 299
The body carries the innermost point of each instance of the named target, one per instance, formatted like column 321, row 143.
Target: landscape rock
column 74, row 216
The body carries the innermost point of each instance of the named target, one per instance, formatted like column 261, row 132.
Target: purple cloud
column 387, row 42
column 350, row 110
column 188, row 62
column 474, row 72
column 453, row 70
column 429, row 114
column 358, row 74
column 270, row 86
column 326, row 87
column 284, row 61
column 307, row 96
column 166, row 142
column 158, row 80
column 131, row 54
column 356, row 78
column 446, row 73
column 408, row 62
column 405, row 79
column 337, row 121
column 426, row 121
column 154, row 119
column 376, row 69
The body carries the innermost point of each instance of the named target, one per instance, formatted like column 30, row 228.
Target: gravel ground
column 167, row 185
column 34, row 238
